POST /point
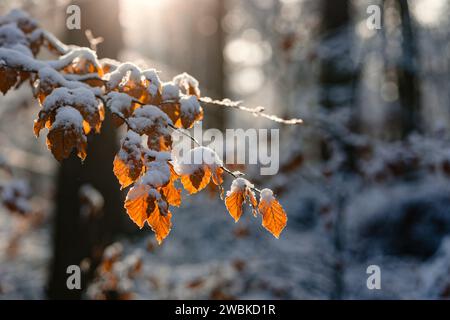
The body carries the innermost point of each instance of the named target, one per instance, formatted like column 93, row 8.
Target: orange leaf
column 234, row 202
column 138, row 203
column 143, row 203
column 128, row 164
column 172, row 109
column 160, row 223
column 273, row 215
column 128, row 172
column 239, row 194
column 63, row 137
column 217, row 176
column 172, row 194
column 196, row 181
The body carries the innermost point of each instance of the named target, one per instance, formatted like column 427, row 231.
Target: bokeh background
column 365, row 180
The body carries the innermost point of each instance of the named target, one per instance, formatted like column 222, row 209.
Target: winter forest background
column 364, row 181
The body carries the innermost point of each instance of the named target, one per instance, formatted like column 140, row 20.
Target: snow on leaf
column 144, row 204
column 239, row 194
column 197, row 168
column 187, row 83
column 190, row 111
column 66, row 133
column 16, row 195
column 81, row 99
column 170, row 92
column 197, row 180
column 274, row 218
column 128, row 164
column 138, row 202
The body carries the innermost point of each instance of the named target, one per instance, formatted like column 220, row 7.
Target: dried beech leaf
column 61, row 142
column 127, row 172
column 196, row 181
column 234, row 203
column 138, row 203
column 8, row 79
column 273, row 215
column 172, row 194
column 160, row 223
column 239, row 194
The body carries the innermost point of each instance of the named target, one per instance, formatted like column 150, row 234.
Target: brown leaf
column 239, row 194
column 143, row 203
column 160, row 223
column 61, row 141
column 8, row 79
column 196, row 181
column 274, row 217
column 172, row 109
column 127, row 172
column 172, row 194
column 234, row 203
column 138, row 203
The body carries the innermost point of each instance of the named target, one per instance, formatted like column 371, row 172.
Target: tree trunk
column 201, row 36
column 408, row 82
column 75, row 237
column 338, row 78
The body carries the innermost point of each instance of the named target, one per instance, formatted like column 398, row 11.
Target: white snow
column 71, row 97
column 118, row 102
column 10, row 34
column 185, row 81
column 170, row 92
column 195, row 159
column 267, row 195
column 148, row 117
column 239, row 184
column 155, row 83
column 189, row 105
column 76, row 54
column 157, row 174
column 128, row 69
column 68, row 117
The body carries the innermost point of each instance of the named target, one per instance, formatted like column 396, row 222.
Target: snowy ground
column 23, row 274
column 207, row 256
column 204, row 258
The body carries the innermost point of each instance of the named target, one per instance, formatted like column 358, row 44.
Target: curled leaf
column 66, row 133
column 239, row 194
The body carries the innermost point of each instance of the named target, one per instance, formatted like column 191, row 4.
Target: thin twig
column 233, row 174
column 256, row 111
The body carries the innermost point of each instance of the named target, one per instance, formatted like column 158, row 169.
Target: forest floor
column 207, row 255
column 23, row 262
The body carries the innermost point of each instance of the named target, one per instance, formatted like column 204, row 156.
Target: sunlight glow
column 429, row 12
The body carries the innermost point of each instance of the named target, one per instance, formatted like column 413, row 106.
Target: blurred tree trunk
column 408, row 80
column 200, row 40
column 76, row 237
column 401, row 69
column 338, row 76
column 337, row 80
column 212, row 77
column 337, row 70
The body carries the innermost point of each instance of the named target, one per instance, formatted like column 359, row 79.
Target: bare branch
column 256, row 111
